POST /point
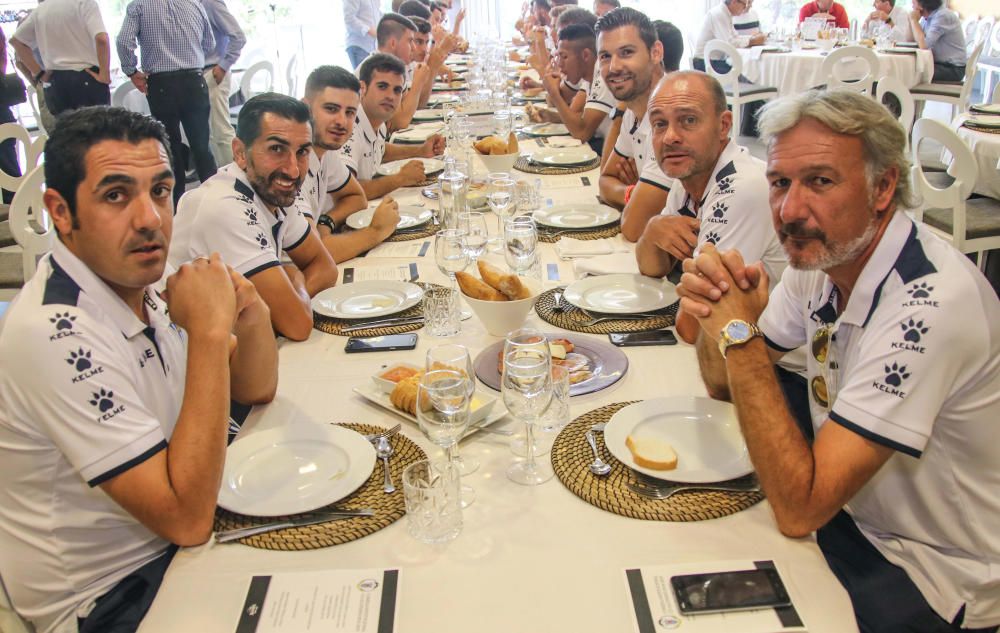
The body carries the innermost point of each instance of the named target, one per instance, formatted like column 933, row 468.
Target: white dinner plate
column 577, row 216
column 441, row 86
column 488, row 411
column 441, row 99
column 294, row 468
column 563, row 156
column 546, row 129
column 428, row 115
column 704, row 433
column 621, row 293
column 410, row 215
column 538, row 98
column 418, row 134
column 367, row 299
column 431, row 166
column 986, row 108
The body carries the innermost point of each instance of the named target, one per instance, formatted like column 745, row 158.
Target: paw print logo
column 261, row 239
column 895, row 374
column 251, row 215
column 80, row 359
column 719, row 209
column 712, row 238
column 63, row 321
column 920, row 291
column 913, row 330
column 245, row 199
column 725, row 183
column 102, row 400
column 346, row 150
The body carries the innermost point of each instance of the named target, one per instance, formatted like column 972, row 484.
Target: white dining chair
column 128, row 96
column 989, row 61
column 954, row 94
column 10, row 621
column 252, row 73
column 33, row 149
column 972, row 225
column 737, row 94
column 30, row 223
column 292, row 76
column 890, row 85
column 35, row 110
column 850, row 58
column 969, row 25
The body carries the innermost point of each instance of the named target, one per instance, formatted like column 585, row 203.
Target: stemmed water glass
column 500, row 197
column 451, row 257
column 476, row 233
column 520, row 243
column 456, row 358
column 526, row 387
column 443, row 401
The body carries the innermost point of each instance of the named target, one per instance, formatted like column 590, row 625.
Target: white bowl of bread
column 498, row 154
column 501, row 300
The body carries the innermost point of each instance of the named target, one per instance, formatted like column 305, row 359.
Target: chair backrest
column 128, row 96
column 32, row 150
column 10, row 621
column 246, row 83
column 30, row 223
column 969, row 25
column 118, row 96
column 292, row 76
column 33, row 102
column 963, row 169
column 890, row 85
column 727, row 51
column 984, row 28
column 970, row 76
column 996, row 94
column 994, row 45
column 850, row 58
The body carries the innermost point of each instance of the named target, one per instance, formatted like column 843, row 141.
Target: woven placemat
column 573, row 318
column 334, row 326
column 388, row 508
column 598, row 233
column 428, row 230
column 987, row 130
column 571, row 456
column 525, row 165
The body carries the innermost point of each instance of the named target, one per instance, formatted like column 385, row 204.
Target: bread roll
column 511, row 286
column 490, row 274
column 404, row 395
column 472, row 287
column 512, row 147
column 651, row 453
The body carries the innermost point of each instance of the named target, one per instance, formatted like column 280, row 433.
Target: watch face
column 738, row 331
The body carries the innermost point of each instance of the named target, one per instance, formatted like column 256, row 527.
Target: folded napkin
column 570, row 248
column 606, row 265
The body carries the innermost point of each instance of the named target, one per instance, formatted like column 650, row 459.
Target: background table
column 796, row 71
column 986, row 148
column 529, row 559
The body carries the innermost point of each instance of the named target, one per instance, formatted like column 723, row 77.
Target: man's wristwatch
column 737, row 332
column 327, row 221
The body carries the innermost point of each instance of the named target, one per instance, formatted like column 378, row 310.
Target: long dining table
column 529, row 558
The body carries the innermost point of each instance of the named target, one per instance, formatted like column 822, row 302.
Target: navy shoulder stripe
column 912, row 263
column 747, row 26
column 726, row 171
column 244, row 189
column 874, row 437
column 60, row 289
column 655, row 184
column 135, row 461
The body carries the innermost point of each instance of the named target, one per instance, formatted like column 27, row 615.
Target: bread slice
column 472, row 287
column 652, row 453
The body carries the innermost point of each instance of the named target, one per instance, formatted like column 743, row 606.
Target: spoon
column 558, row 299
column 383, row 450
column 598, row 467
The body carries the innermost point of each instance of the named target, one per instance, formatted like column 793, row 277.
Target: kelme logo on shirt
column 718, row 214
column 712, row 237
column 895, row 376
column 262, row 240
column 913, row 331
column 64, row 325
column 920, row 294
column 82, row 362
column 103, row 400
column 725, row 185
column 251, row 216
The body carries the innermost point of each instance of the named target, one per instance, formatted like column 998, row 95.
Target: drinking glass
column 443, row 401
column 451, row 201
column 456, row 357
column 451, row 257
column 555, row 418
column 433, row 506
column 500, row 197
column 477, row 235
column 441, row 311
column 526, row 387
column 520, row 242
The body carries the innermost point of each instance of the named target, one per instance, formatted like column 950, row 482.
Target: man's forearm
column 318, row 278
column 395, row 151
column 712, row 366
column 653, row 261
column 347, row 205
column 103, row 46
column 612, row 190
column 254, row 365
column 378, row 187
column 647, row 201
column 345, row 246
column 25, row 57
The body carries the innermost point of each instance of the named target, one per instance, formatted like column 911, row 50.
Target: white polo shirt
column 747, row 23
column 64, row 32
column 225, row 215
column 364, row 151
column 635, row 141
column 87, row 391
column 599, row 98
column 718, row 25
column 917, row 355
column 735, row 212
column 325, row 176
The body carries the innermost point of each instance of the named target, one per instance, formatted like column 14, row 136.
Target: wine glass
column 456, row 358
column 443, row 412
column 451, row 257
column 526, row 387
column 477, row 235
column 500, row 197
column 520, row 242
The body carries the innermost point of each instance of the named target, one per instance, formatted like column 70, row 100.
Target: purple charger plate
column 608, row 364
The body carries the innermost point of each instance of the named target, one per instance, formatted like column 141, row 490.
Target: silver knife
column 384, row 323
column 323, row 517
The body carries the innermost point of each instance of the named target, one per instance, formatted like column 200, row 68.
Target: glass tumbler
column 431, row 491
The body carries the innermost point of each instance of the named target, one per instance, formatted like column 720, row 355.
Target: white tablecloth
column 529, row 559
column 796, row 71
column 986, row 148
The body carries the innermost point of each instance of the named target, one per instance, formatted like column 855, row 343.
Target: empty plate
column 564, row 156
column 577, row 216
column 431, row 166
column 410, row 215
column 367, row 299
column 546, row 129
column 621, row 293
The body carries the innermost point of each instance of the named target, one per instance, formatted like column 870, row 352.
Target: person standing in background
column 47, row 120
column 75, row 51
column 8, row 153
column 175, row 37
column 361, row 18
column 229, row 41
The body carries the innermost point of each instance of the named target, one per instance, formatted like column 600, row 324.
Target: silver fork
column 665, row 491
column 386, row 434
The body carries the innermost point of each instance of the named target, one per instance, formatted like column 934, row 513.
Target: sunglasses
column 823, row 385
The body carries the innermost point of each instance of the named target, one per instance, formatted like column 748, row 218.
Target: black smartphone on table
column 729, row 591
column 381, row 343
column 640, row 339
